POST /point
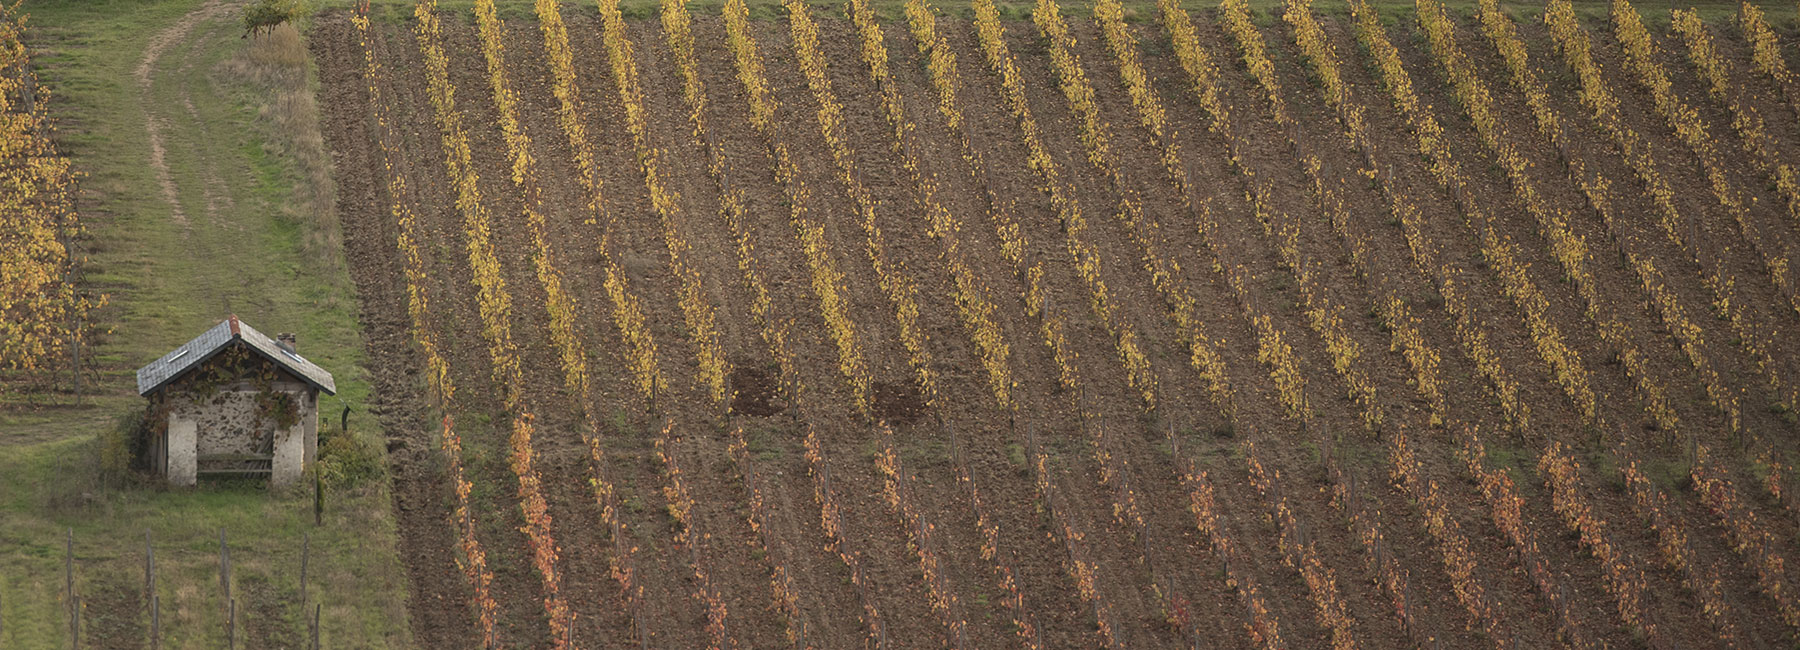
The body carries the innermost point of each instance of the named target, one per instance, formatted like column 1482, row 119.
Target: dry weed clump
column 274, row 66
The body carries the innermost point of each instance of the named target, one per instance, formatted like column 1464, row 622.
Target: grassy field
column 249, row 231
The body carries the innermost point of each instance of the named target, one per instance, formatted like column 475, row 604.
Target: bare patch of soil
column 897, row 402
column 114, row 614
column 753, row 392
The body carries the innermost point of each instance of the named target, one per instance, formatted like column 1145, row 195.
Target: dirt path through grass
column 155, row 125
column 203, row 177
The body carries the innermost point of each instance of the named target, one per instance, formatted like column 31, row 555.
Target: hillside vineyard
column 905, row 325
column 43, row 308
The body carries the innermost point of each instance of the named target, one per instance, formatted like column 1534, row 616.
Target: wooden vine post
column 74, row 603
column 149, row 566
column 150, row 590
column 225, row 591
column 318, row 499
column 75, row 361
column 305, row 552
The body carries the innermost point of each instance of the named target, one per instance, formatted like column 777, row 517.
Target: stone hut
column 233, row 402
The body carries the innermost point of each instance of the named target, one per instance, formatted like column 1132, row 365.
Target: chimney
column 286, row 340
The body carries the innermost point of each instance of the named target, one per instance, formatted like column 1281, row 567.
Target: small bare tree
column 263, row 16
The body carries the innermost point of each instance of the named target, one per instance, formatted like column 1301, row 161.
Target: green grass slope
column 236, row 220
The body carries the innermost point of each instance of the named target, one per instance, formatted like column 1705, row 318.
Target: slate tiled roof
column 214, row 341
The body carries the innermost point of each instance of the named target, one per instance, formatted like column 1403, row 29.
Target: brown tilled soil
column 1160, row 582
column 114, row 614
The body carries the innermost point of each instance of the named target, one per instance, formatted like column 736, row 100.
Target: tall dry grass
column 278, row 66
